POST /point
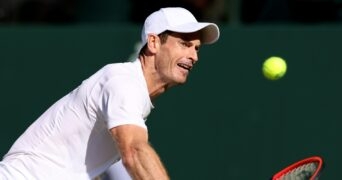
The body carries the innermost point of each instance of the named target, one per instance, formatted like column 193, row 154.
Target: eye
column 187, row 44
column 184, row 44
column 197, row 48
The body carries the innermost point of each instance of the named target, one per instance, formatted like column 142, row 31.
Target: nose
column 193, row 55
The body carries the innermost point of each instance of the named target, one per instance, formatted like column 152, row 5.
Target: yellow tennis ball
column 274, row 68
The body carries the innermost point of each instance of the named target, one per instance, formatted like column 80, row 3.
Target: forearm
column 139, row 158
column 143, row 163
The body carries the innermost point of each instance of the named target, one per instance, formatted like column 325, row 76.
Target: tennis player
column 103, row 119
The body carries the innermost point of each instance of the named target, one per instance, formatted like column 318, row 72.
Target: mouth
column 185, row 66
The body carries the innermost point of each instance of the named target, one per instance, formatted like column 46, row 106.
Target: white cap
column 178, row 20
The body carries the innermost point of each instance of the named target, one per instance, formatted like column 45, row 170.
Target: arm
column 139, row 158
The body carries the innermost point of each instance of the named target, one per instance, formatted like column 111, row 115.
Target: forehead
column 187, row 36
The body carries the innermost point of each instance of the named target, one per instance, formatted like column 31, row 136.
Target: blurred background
column 228, row 121
column 134, row 11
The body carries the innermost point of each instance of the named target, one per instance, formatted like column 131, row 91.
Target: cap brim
column 210, row 32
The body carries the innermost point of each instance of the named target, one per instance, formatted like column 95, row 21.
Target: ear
column 153, row 43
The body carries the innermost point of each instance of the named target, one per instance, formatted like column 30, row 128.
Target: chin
column 175, row 83
column 182, row 81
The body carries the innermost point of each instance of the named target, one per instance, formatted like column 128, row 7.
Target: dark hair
column 163, row 37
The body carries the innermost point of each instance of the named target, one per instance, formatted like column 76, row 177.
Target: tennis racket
column 305, row 169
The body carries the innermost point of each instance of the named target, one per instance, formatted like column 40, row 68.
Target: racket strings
column 303, row 172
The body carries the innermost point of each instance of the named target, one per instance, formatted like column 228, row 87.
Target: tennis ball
column 274, row 68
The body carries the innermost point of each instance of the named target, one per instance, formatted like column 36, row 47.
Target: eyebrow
column 189, row 43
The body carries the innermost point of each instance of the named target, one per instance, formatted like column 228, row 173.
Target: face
column 177, row 56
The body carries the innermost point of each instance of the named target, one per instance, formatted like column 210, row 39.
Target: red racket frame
column 300, row 163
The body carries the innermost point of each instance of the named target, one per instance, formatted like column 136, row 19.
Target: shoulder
column 128, row 68
column 123, row 78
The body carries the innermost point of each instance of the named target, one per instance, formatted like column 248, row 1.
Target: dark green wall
column 227, row 122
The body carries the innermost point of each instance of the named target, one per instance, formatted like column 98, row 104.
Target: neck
column 155, row 85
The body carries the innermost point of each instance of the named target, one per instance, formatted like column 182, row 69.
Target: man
column 103, row 120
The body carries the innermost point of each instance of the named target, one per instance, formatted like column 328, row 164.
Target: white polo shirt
column 71, row 139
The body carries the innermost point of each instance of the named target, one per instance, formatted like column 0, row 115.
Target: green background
column 226, row 122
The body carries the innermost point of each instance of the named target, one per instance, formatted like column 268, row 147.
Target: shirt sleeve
column 122, row 102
